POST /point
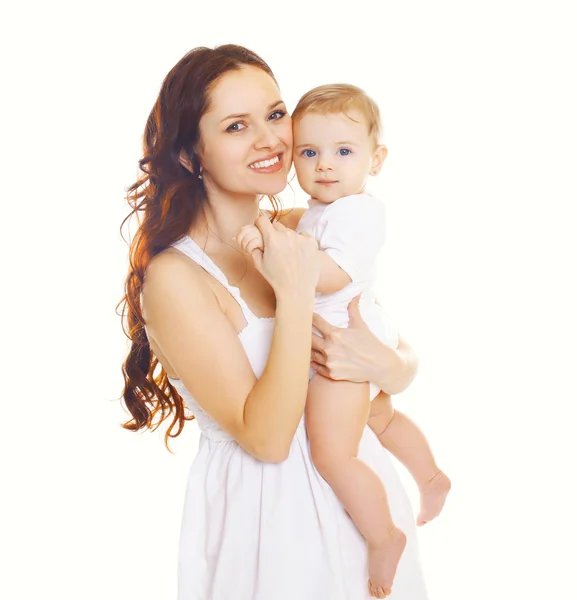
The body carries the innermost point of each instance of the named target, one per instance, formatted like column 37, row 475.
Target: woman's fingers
column 320, row 369
column 257, row 257
column 323, row 326
column 318, row 356
column 355, row 318
column 265, row 227
column 321, row 364
column 318, row 343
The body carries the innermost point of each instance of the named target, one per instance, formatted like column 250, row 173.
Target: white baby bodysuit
column 351, row 230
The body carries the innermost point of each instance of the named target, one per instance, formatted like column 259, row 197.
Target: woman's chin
column 270, row 185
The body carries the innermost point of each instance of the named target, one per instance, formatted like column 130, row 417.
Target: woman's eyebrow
column 243, row 115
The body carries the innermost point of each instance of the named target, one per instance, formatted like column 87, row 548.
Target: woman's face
column 246, row 135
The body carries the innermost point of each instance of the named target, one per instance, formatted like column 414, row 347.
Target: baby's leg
column 404, row 440
column 336, row 414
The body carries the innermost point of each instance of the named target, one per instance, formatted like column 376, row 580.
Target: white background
column 479, row 106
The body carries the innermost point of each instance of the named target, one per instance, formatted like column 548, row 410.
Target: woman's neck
column 224, row 216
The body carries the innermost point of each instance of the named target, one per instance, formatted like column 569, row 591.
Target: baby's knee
column 326, row 461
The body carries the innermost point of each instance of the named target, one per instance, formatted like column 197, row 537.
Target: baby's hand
column 249, row 238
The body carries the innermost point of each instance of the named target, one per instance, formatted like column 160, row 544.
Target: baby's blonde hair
column 339, row 98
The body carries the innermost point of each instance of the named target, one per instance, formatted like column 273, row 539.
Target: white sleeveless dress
column 266, row 531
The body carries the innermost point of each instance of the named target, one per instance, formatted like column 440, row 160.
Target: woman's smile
column 268, row 165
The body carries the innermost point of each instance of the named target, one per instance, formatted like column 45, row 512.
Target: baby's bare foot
column 433, row 494
column 383, row 561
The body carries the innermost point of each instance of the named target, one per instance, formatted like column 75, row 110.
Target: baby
column 336, row 148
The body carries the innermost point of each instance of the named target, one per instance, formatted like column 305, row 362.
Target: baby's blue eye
column 344, row 151
column 309, row 153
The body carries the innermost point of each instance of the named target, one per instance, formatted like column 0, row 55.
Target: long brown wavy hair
column 166, row 201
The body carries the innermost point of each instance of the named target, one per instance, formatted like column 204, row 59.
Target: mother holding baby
column 226, row 336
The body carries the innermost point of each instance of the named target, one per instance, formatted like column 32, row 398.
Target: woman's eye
column 276, row 115
column 234, row 127
column 344, row 151
column 309, row 153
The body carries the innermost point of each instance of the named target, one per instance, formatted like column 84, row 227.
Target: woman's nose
column 266, row 138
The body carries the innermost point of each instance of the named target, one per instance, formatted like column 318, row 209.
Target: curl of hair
column 166, row 200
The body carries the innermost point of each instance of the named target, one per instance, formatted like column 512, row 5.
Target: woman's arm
column 187, row 322
column 356, row 354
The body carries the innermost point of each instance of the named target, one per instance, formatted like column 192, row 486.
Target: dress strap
column 188, row 246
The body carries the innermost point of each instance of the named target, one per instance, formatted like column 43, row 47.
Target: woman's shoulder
column 172, row 269
column 175, row 286
column 168, row 261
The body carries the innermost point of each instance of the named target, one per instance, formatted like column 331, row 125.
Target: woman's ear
column 185, row 161
column 378, row 159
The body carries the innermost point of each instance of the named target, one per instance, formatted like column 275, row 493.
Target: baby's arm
column 352, row 233
column 332, row 278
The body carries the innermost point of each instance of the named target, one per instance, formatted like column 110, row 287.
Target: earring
column 200, row 176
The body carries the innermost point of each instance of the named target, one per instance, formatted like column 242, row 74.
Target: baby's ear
column 379, row 156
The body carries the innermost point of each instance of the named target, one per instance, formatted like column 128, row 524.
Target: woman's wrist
column 296, row 301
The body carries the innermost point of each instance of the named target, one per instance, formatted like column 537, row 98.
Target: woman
column 228, row 337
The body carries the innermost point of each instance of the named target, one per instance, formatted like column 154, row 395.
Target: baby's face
column 333, row 154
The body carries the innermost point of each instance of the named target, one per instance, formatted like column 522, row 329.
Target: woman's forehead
column 247, row 90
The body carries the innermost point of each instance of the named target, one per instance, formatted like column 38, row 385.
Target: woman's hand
column 356, row 354
column 287, row 260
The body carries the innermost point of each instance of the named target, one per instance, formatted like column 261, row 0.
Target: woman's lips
column 270, row 169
